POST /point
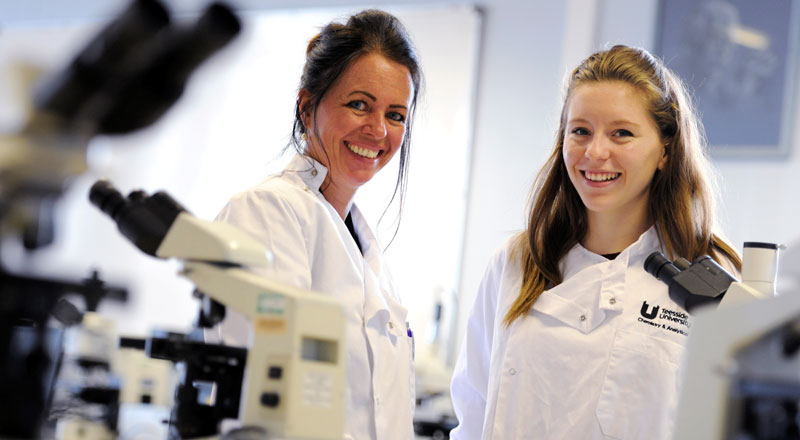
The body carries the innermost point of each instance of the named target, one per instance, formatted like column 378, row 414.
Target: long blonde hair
column 682, row 195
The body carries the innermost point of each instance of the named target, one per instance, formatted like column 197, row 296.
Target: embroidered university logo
column 675, row 321
column 651, row 314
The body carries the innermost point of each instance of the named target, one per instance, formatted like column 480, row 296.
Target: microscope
column 124, row 79
column 705, row 282
column 742, row 372
column 289, row 381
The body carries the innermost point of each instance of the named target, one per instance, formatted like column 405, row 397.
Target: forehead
column 375, row 74
column 613, row 99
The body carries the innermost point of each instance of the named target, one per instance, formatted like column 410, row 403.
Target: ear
column 662, row 162
column 304, row 105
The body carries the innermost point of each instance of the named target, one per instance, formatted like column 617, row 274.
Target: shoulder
column 504, row 269
column 276, row 201
column 274, row 187
column 275, row 192
column 509, row 252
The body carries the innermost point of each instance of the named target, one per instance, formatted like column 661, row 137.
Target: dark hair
column 337, row 46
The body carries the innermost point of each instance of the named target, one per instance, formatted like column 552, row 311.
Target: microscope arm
column 717, row 335
column 295, row 364
column 192, row 239
column 740, row 293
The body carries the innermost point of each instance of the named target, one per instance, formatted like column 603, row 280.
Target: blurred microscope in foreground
column 289, row 381
column 742, row 376
column 56, row 373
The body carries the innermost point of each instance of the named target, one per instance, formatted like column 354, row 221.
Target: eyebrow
column 624, row 122
column 614, row 122
column 372, row 97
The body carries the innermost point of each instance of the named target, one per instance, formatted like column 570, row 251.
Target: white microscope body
column 294, row 374
column 732, row 341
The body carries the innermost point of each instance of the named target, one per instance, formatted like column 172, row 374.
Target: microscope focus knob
column 270, row 399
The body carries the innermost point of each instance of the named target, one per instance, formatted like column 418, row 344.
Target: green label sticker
column 271, row 303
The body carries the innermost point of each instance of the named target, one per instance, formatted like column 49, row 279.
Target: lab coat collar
column 313, row 173
column 647, row 243
column 643, row 246
column 593, row 285
column 310, row 171
column 368, row 239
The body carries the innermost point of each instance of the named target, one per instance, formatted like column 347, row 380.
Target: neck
column 340, row 198
column 611, row 233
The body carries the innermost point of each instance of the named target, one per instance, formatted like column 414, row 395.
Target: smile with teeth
column 600, row 177
column 363, row 152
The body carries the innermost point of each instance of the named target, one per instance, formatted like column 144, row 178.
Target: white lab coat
column 314, row 250
column 598, row 357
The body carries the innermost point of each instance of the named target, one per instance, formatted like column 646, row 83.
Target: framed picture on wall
column 739, row 59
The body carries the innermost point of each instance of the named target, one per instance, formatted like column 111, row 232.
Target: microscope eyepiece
column 660, row 267
column 118, row 50
column 144, row 220
column 107, row 198
column 164, row 75
column 690, row 284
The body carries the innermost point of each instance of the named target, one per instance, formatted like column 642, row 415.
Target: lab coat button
column 583, row 318
column 612, row 301
column 314, row 172
column 512, row 371
column 390, row 325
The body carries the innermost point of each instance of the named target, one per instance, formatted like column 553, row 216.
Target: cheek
column 572, row 156
column 397, row 136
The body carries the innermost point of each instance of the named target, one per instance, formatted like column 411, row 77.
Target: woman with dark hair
column 569, row 337
column 357, row 97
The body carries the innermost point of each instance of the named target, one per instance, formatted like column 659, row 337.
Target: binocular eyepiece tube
column 660, row 267
column 142, row 219
column 690, row 284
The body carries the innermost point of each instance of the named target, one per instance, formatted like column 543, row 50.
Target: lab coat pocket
column 639, row 393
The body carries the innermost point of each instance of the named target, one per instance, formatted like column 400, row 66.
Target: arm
column 471, row 375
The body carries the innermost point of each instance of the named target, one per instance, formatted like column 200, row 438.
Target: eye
column 357, row 105
column 396, row 116
column 623, row 133
column 580, row 131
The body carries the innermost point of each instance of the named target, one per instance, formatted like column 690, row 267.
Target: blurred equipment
column 742, row 375
column 86, row 396
column 123, row 80
column 289, row 382
column 434, row 416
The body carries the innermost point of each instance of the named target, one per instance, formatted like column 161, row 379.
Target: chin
column 359, row 179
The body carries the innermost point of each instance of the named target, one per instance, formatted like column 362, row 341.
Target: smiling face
column 360, row 123
column 612, row 148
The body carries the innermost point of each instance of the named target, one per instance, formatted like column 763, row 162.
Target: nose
column 598, row 149
column 375, row 126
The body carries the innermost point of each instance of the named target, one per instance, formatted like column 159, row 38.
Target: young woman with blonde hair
column 569, row 337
